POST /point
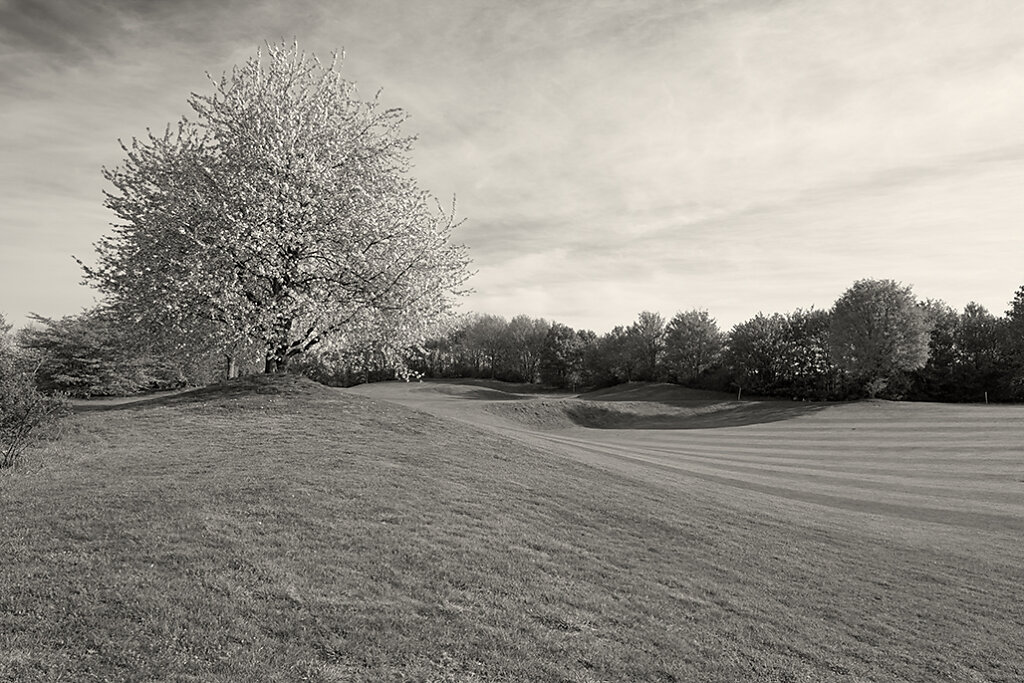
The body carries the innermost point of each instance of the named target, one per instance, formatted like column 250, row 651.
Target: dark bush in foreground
column 24, row 412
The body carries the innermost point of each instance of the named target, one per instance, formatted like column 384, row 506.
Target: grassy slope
column 314, row 535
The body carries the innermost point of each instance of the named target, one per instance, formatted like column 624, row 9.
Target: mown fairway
column 960, row 466
column 282, row 531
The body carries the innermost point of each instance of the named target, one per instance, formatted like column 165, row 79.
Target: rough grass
column 281, row 531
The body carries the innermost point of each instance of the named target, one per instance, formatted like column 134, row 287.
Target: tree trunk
column 230, row 367
column 276, row 361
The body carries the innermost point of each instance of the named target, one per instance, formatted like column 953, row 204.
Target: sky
column 608, row 157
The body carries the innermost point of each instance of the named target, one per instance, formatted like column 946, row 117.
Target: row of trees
column 876, row 340
column 279, row 228
column 526, row 349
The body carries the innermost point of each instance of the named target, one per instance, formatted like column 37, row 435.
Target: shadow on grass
column 666, row 394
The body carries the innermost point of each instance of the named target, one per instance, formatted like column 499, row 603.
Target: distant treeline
column 877, row 340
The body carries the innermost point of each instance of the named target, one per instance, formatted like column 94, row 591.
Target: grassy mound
column 287, row 385
column 496, row 385
column 280, row 531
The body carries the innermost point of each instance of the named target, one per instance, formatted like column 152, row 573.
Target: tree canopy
column 1013, row 343
column 693, row 345
column 878, row 331
column 282, row 213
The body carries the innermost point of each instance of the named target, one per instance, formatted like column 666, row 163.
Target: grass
column 274, row 530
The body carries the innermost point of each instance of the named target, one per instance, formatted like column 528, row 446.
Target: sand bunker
column 549, row 414
column 626, row 406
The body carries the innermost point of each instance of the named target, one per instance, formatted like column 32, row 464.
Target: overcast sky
column 608, row 157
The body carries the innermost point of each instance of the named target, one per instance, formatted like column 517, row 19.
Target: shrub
column 90, row 354
column 24, row 411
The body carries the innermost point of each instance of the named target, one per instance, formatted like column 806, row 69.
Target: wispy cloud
column 609, row 156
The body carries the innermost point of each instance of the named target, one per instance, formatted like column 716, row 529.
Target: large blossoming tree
column 281, row 214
